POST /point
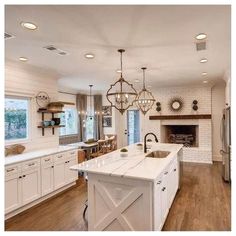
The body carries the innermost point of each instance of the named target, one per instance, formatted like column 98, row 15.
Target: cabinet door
column 157, row 205
column 164, row 196
column 12, row 193
column 47, row 179
column 31, row 185
column 59, row 175
column 70, row 175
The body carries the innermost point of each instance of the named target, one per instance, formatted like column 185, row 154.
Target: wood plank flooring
column 203, row 203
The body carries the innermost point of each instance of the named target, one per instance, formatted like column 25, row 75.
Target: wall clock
column 176, row 104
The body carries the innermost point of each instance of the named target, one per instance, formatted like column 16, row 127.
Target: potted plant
column 123, row 152
column 139, row 146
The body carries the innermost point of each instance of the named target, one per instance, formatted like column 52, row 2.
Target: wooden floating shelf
column 51, row 126
column 50, row 111
column 176, row 117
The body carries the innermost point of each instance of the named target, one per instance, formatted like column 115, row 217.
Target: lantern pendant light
column 145, row 99
column 121, row 94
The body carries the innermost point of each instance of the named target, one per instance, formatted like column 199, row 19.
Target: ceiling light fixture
column 204, row 73
column 145, row 98
column 89, row 55
column 121, row 94
column 29, row 25
column 201, row 36
column 203, row 60
column 24, row 59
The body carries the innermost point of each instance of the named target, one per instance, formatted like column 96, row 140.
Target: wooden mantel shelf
column 178, row 117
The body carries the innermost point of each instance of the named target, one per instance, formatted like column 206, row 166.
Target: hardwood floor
column 203, row 203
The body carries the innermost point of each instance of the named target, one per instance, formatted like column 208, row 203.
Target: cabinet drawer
column 59, row 157
column 72, row 155
column 46, row 160
column 30, row 165
column 11, row 170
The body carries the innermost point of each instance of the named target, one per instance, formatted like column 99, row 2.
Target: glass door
column 133, row 126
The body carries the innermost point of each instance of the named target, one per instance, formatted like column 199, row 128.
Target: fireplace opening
column 180, row 134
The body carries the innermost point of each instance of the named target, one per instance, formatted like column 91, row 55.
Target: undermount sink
column 158, row 154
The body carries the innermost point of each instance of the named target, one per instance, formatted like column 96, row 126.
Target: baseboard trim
column 40, row 200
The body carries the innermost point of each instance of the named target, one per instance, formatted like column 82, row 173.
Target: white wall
column 24, row 80
column 218, row 104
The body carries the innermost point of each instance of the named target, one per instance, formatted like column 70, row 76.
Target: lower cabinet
column 31, row 187
column 27, row 181
column 12, row 193
column 165, row 188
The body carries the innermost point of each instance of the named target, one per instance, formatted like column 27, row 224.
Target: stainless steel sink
column 158, row 154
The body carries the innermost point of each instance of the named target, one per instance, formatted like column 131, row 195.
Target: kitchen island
column 133, row 192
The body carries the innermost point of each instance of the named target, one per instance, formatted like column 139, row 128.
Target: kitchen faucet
column 145, row 142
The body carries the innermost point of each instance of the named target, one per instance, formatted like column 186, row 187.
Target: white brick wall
column 201, row 154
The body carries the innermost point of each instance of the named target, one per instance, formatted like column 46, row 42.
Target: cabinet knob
column 20, row 177
column 23, row 176
column 174, row 169
column 159, row 182
column 52, row 166
column 163, row 189
column 166, row 173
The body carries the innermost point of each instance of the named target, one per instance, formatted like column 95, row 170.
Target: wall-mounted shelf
column 50, row 126
column 176, row 117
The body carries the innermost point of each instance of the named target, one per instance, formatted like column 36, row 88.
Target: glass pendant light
column 121, row 94
column 145, row 99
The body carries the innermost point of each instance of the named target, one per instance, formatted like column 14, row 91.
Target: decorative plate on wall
column 176, row 104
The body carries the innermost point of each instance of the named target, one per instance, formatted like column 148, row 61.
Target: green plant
column 123, row 150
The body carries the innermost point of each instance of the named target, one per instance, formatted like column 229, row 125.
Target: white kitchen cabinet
column 70, row 175
column 12, row 189
column 31, row 188
column 28, row 181
column 47, row 178
column 164, row 196
column 59, row 175
column 157, row 204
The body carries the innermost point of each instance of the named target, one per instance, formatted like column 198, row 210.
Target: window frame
column 76, row 122
column 29, row 124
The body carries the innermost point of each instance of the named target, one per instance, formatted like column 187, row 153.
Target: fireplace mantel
column 179, row 117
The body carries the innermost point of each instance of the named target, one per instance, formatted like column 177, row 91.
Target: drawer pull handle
column 47, row 159
column 9, row 170
column 159, row 182
column 52, row 166
column 175, row 169
column 72, row 153
column 163, row 189
column 166, row 173
column 20, row 177
column 23, row 176
column 59, row 156
column 31, row 164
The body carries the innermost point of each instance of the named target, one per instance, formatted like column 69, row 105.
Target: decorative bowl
column 46, row 123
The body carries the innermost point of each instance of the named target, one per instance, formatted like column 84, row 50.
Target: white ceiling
column 159, row 37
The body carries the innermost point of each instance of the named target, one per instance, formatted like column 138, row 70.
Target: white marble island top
column 36, row 154
column 135, row 165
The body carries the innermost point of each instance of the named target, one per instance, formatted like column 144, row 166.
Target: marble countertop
column 135, row 165
column 9, row 160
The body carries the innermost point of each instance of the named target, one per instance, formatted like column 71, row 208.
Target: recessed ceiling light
column 203, row 60
column 201, row 36
column 89, row 55
column 205, row 81
column 204, row 73
column 136, row 80
column 118, row 71
column 23, row 59
column 29, row 25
